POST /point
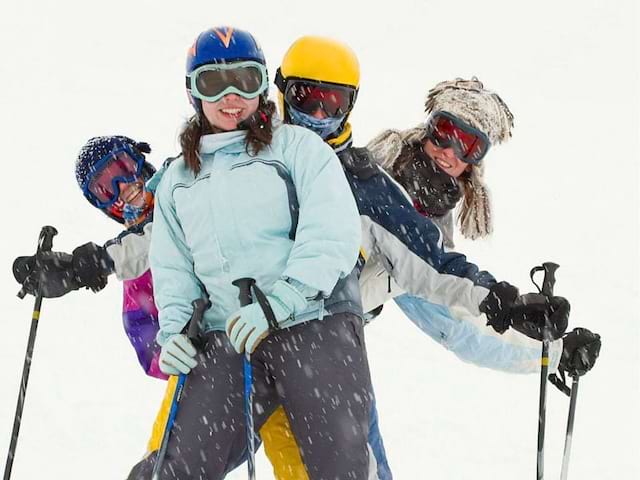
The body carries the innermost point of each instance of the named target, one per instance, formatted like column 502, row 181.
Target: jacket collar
column 229, row 142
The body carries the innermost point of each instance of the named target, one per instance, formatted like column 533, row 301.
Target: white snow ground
column 564, row 189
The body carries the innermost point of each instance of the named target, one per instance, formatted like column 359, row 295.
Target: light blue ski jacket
column 286, row 213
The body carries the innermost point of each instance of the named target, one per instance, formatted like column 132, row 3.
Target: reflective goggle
column 122, row 165
column 214, row 81
column 469, row 144
column 308, row 97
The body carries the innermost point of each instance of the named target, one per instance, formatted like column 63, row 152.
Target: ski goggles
column 122, row 165
column 214, row 81
column 448, row 131
column 308, row 97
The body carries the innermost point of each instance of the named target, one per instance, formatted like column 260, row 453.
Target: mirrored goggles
column 121, row 165
column 308, row 97
column 446, row 130
column 214, row 81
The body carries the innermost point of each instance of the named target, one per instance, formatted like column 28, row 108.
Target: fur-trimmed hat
column 480, row 108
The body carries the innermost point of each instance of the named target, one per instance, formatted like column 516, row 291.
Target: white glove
column 177, row 356
column 248, row 326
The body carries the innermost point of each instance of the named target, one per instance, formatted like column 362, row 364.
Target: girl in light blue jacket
column 250, row 199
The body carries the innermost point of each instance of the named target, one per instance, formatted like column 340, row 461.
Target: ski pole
column 45, row 241
column 245, row 287
column 549, row 269
column 245, row 299
column 569, row 435
column 199, row 306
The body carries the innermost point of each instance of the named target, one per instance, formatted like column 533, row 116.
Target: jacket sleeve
column 130, row 253
column 174, row 280
column 472, row 341
column 328, row 234
column 411, row 248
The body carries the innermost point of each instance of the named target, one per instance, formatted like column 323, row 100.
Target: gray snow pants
column 317, row 371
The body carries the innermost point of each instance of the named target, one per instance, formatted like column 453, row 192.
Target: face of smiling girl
column 229, row 111
column 445, row 159
column 132, row 193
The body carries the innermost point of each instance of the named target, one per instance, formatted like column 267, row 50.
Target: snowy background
column 565, row 189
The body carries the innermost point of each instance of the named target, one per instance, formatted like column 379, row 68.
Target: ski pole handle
column 199, row 307
column 45, row 243
column 45, row 240
column 549, row 278
column 549, row 281
column 244, row 285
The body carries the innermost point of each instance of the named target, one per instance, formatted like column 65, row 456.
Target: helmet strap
column 280, row 81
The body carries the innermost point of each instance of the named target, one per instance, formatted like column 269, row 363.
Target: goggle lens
column 119, row 166
column 309, row 97
column 470, row 144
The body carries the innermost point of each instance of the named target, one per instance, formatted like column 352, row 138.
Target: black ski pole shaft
column 199, row 306
column 23, row 387
column 548, row 283
column 542, row 408
column 45, row 241
column 244, row 286
column 569, row 436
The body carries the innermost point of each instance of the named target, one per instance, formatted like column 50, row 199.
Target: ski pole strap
column 560, row 383
column 266, row 308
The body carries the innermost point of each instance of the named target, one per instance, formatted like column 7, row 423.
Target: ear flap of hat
column 475, row 217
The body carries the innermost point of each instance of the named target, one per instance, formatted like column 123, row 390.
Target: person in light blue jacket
column 250, row 199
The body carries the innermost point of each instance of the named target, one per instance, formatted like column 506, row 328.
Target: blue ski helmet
column 221, row 45
column 94, row 151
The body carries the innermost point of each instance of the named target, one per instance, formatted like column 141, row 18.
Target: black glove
column 53, row 272
column 533, row 311
column 497, row 306
column 525, row 313
column 59, row 273
column 92, row 266
column 581, row 348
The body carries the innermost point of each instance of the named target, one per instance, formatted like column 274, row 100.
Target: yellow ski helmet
column 322, row 60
